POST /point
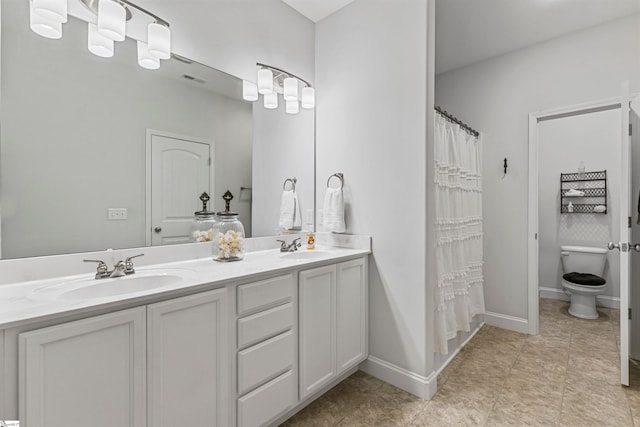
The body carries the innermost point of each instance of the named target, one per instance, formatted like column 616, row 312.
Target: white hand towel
column 297, row 216
column 333, row 212
column 287, row 209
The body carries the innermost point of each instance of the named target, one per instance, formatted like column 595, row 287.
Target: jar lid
column 204, row 213
column 227, row 197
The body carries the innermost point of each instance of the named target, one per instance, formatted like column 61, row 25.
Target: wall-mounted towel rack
column 292, row 181
column 338, row 175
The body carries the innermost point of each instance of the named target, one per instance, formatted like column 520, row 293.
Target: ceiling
column 317, row 10
column 469, row 31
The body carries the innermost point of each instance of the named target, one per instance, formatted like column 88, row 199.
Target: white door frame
column 150, row 134
column 533, row 294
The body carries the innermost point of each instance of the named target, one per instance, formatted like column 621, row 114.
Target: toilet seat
column 584, row 279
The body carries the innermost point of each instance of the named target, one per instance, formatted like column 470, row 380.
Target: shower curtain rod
column 454, row 119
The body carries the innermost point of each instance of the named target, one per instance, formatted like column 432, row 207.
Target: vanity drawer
column 266, row 403
column 265, row 293
column 264, row 361
column 262, row 325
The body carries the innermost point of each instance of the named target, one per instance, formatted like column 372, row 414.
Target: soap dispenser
column 228, row 234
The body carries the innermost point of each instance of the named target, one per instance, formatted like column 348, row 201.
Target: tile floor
column 568, row 375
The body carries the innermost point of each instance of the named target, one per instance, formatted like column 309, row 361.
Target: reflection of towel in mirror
column 638, row 221
column 333, row 212
column 290, row 217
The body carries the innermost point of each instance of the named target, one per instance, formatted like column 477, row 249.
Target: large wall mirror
column 81, row 138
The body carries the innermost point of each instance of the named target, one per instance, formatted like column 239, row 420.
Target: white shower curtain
column 458, row 201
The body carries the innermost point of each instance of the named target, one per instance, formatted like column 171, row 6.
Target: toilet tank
column 583, row 259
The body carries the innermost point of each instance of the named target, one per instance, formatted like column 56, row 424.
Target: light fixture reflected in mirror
column 272, row 81
column 112, row 20
column 43, row 26
column 46, row 18
column 159, row 40
column 52, row 10
column 98, row 44
column 145, row 59
column 249, row 91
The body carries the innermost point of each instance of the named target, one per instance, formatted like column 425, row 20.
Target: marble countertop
column 37, row 300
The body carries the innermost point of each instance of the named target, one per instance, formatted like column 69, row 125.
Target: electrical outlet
column 117, row 214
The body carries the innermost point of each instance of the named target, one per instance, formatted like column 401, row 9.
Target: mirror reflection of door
column 179, row 170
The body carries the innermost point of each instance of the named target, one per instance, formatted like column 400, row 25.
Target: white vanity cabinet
column 164, row 364
column 333, row 322
column 266, row 350
column 187, row 361
column 90, row 372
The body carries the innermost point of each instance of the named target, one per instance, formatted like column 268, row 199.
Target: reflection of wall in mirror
column 58, row 181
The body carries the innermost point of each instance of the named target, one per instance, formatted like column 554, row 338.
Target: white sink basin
column 141, row 281
column 305, row 254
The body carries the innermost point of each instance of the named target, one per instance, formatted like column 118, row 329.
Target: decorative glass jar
column 202, row 226
column 228, row 234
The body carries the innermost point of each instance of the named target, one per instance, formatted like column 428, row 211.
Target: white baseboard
column 455, row 353
column 504, row 321
column 553, row 293
column 423, row 387
column 559, row 294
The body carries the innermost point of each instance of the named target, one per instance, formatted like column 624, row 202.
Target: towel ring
column 338, row 175
column 292, row 181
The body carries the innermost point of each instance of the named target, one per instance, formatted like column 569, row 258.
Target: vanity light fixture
column 270, row 100
column 272, row 81
column 109, row 25
column 265, row 81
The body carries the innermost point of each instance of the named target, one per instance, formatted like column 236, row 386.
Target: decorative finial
column 205, row 198
column 227, row 200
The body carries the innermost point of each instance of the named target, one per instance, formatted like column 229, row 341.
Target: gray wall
column 371, row 68
column 57, row 184
column 496, row 97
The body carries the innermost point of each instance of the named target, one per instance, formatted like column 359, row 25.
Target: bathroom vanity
column 245, row 343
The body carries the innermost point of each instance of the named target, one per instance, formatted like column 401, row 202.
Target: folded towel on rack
column 574, row 193
column 290, row 217
column 333, row 211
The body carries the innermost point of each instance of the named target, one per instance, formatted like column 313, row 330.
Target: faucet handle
column 128, row 264
column 102, row 269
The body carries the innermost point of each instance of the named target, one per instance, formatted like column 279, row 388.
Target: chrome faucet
column 292, row 247
column 121, row 268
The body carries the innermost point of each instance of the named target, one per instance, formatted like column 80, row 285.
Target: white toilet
column 583, row 268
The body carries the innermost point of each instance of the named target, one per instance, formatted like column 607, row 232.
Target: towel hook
column 338, row 175
column 292, row 181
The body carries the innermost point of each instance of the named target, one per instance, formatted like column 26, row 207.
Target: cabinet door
column 90, row 372
column 351, row 313
column 317, row 299
column 188, row 374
